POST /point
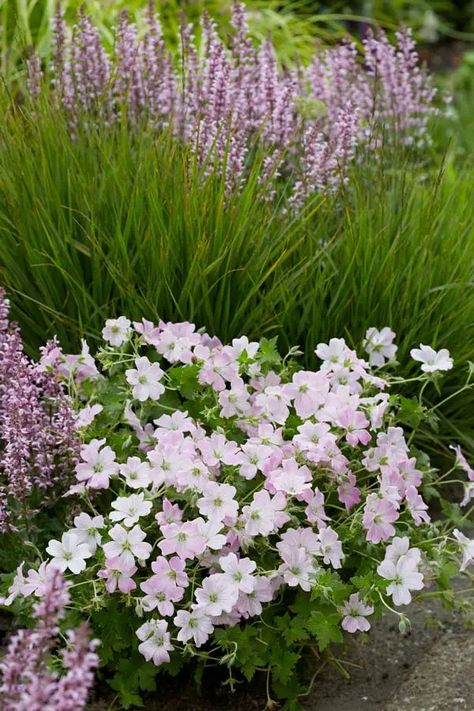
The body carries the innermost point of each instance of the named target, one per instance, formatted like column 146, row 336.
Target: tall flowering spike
column 128, row 81
column 61, row 65
column 91, row 64
column 26, row 681
column 38, row 441
column 4, row 314
column 158, row 74
column 213, row 120
column 80, row 660
column 225, row 99
column 35, row 75
column 403, row 95
column 191, row 81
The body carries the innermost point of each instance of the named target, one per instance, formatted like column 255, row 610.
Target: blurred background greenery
column 295, row 25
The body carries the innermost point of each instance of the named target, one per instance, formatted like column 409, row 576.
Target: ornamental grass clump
column 233, row 509
column 226, row 99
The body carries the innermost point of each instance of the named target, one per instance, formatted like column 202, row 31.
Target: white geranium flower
column 379, row 345
column 69, row 553
column 432, row 361
column 116, row 331
column 145, row 378
column 130, row 508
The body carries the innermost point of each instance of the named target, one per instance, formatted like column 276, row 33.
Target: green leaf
column 324, row 626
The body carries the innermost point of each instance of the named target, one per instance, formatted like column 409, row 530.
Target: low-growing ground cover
column 228, row 509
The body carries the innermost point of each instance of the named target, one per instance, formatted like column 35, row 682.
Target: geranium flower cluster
column 26, row 682
column 38, row 440
column 226, row 99
column 218, row 481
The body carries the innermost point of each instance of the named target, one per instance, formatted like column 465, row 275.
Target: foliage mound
column 233, row 509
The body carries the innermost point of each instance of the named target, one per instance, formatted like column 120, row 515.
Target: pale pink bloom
column 136, row 473
column 290, row 478
column 243, row 345
column 330, row 547
column 172, row 570
column 379, row 515
column 194, row 625
column 467, row 547
column 217, row 370
column 178, row 421
column 176, row 341
column 97, row 466
column 197, row 477
column 468, row 493
column 308, row 391
column 400, row 546
column 16, row 588
column 216, row 449
column 404, row 576
column 265, row 514
column 167, row 465
column 211, row 531
column 409, row 474
column 274, row 403
column 250, row 604
column 379, row 345
column 127, row 544
column 36, row 581
column 314, row 511
column 295, row 538
column 347, row 491
column 376, row 409
column 171, row 513
column 267, row 435
column 218, row 502
column 239, row 571
column 87, row 415
column 335, row 353
column 463, row 463
column 217, row 595
column 116, row 331
column 145, row 379
column 147, row 330
column 235, row 401
column 311, row 435
column 354, row 423
column 432, row 361
column 81, row 366
column 88, row 528
column 252, row 458
column 298, row 569
column 118, row 573
column 156, row 644
column 355, row 612
column 184, row 539
column 160, row 594
column 69, row 553
column 130, row 509
column 416, row 506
